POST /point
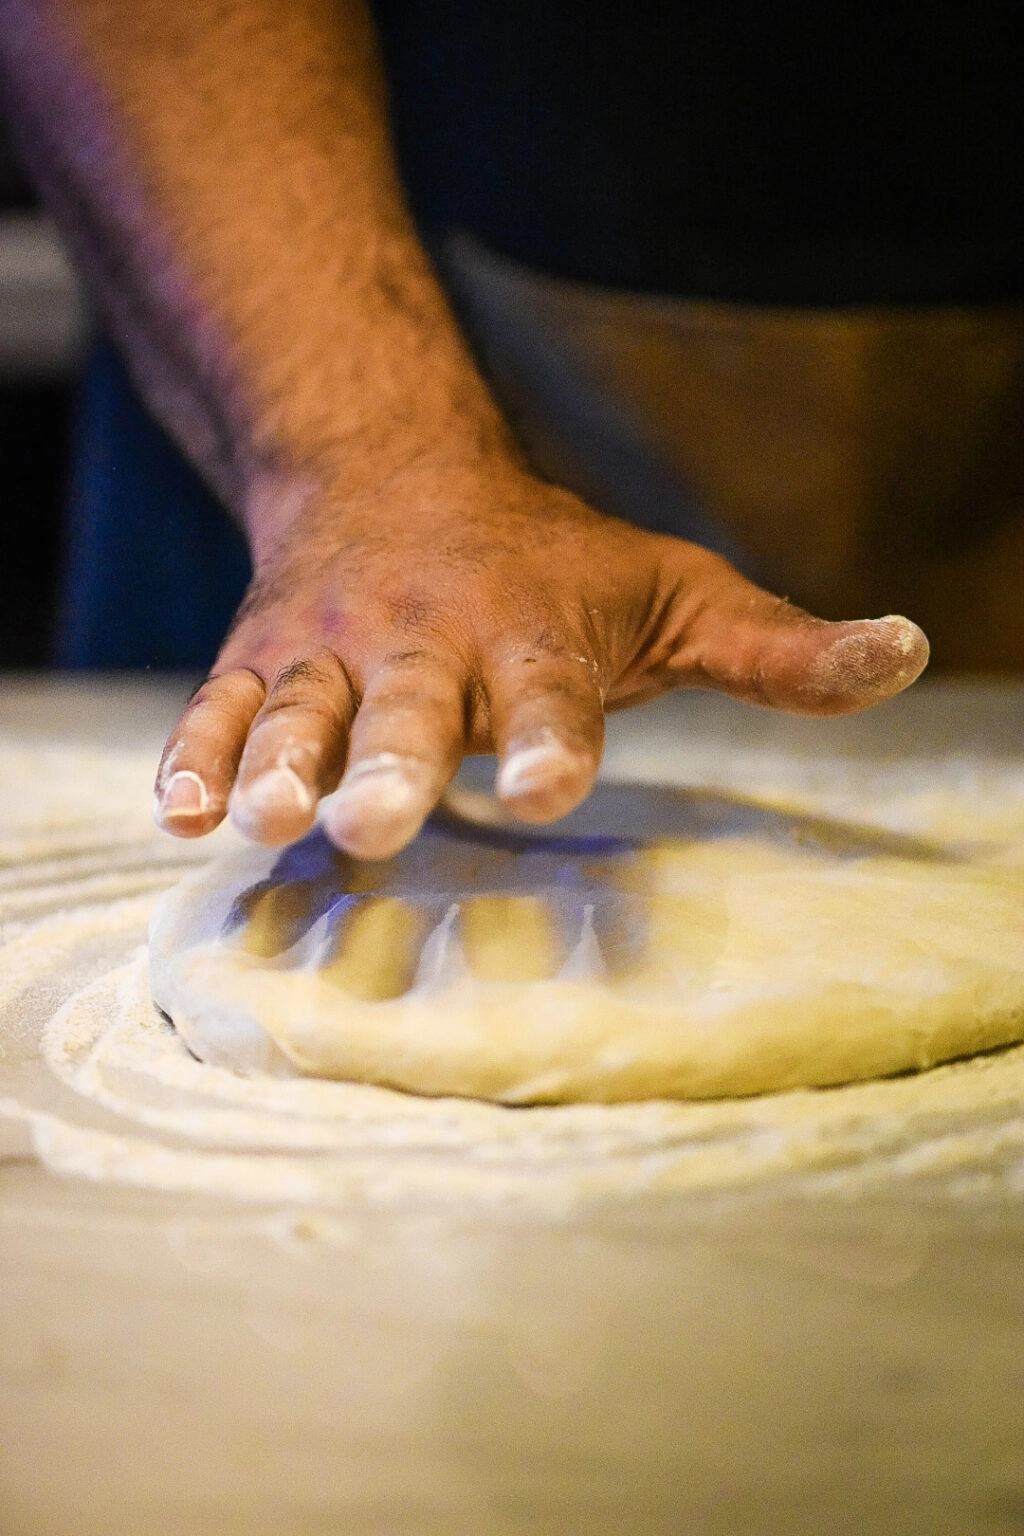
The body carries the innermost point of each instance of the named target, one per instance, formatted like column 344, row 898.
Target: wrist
column 362, row 485
column 384, row 393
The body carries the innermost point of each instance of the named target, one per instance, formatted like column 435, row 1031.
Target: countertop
column 823, row 1354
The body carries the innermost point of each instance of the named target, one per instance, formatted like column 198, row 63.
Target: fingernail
column 279, row 789
column 528, row 768
column 384, row 783
column 184, row 794
column 379, row 805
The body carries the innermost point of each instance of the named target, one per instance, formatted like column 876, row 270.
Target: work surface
column 820, row 1327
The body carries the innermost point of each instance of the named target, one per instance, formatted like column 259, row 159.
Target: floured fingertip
column 380, row 806
column 543, row 780
column 873, row 660
column 273, row 808
column 183, row 805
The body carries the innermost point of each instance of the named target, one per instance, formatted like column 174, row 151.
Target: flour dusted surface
column 106, row 1090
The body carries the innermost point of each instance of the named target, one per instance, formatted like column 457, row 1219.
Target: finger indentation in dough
column 378, row 948
column 510, row 938
column 275, row 917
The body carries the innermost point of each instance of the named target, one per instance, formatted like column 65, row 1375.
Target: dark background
column 36, row 414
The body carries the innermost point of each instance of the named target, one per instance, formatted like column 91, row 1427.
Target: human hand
column 470, row 609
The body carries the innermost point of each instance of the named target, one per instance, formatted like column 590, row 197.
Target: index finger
column 202, row 754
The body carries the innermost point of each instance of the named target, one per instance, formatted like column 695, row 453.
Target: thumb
column 743, row 641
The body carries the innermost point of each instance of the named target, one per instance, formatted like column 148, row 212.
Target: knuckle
column 555, row 644
column 225, row 694
column 415, row 659
column 410, row 612
column 417, row 673
column 317, row 683
column 299, row 677
column 425, row 629
column 546, row 644
column 311, row 720
column 566, row 688
column 401, row 698
column 318, row 667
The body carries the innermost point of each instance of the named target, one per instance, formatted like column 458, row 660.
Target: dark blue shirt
column 781, row 152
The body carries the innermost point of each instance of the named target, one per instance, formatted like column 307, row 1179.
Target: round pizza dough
column 659, row 943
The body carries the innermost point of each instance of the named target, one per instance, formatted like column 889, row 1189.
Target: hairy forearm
column 224, row 173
